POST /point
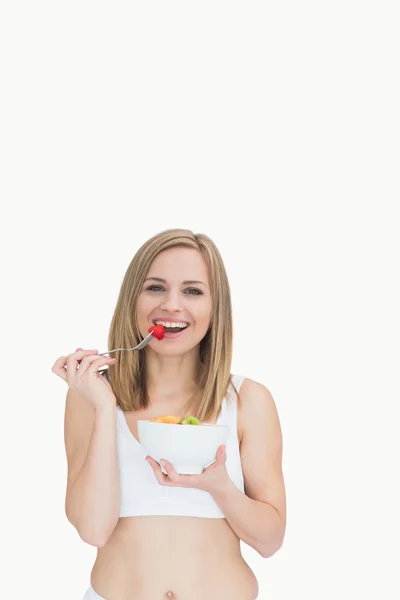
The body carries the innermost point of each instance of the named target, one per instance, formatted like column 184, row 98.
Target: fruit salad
column 174, row 420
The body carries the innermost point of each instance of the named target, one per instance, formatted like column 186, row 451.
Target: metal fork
column 142, row 344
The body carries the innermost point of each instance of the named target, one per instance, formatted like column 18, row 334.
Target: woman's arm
column 93, row 489
column 258, row 517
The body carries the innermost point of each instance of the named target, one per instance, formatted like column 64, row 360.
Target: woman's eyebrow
column 188, row 282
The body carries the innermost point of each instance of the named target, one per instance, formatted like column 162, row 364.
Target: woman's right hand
column 80, row 371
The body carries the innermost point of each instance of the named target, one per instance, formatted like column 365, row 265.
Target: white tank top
column 141, row 494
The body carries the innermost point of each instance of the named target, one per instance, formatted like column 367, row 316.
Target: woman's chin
column 172, row 349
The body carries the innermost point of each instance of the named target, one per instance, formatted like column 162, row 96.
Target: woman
column 161, row 535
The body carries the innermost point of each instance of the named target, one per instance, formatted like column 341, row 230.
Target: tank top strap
column 121, row 422
column 229, row 403
column 237, row 381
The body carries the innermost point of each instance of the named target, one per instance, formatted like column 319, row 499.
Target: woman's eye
column 192, row 291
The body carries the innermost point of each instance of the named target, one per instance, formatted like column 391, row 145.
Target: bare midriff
column 173, row 558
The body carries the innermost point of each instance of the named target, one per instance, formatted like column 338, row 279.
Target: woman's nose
column 172, row 301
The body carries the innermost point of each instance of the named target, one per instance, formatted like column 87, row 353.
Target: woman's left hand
column 212, row 479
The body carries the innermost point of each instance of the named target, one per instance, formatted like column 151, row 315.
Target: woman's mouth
column 173, row 334
column 172, row 329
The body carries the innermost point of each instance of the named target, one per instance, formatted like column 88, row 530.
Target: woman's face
column 176, row 291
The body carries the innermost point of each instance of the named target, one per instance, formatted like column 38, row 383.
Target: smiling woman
column 174, row 277
column 142, row 515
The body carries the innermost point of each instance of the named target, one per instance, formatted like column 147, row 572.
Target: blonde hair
column 128, row 375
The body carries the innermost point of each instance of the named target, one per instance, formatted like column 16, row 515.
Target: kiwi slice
column 191, row 421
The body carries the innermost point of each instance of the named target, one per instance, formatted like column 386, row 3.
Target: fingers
column 73, row 361
column 160, row 476
column 91, row 364
column 67, row 365
column 59, row 367
column 172, row 474
column 172, row 478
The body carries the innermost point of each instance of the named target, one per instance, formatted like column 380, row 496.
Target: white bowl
column 189, row 448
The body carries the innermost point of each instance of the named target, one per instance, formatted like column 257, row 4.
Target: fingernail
column 162, row 462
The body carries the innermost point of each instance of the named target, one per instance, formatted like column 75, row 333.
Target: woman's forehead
column 179, row 264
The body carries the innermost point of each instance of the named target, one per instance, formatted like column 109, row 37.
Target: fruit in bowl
column 187, row 443
column 174, row 420
column 167, row 419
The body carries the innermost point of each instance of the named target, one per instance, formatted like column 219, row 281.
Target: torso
column 172, row 557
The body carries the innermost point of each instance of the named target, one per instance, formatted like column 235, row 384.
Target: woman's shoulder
column 256, row 402
column 246, row 389
column 251, row 386
column 254, row 391
column 247, row 385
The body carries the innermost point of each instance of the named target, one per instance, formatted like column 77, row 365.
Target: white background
column 274, row 129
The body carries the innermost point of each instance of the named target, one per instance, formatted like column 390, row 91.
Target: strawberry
column 157, row 331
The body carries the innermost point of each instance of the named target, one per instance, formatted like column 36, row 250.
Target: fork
column 142, row 344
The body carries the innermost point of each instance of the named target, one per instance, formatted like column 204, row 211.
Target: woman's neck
column 172, row 377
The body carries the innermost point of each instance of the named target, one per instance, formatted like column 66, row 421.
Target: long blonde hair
column 128, row 375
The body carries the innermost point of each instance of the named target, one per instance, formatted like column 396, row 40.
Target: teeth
column 168, row 324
